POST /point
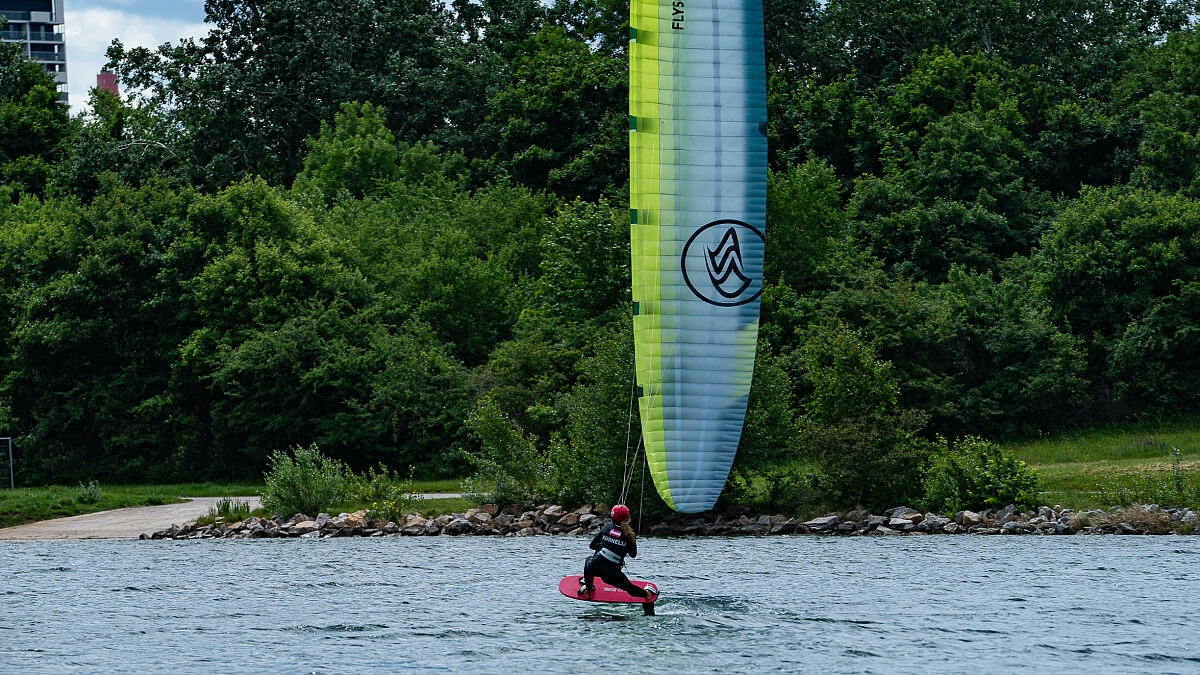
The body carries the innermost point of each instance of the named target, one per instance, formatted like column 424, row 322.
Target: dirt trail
column 119, row 523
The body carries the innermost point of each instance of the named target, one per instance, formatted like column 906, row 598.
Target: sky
column 92, row 25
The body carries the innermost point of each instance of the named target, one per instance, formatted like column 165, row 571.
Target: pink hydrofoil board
column 569, row 586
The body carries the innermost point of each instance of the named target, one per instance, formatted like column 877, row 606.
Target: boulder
column 1126, row 528
column 555, row 511
column 898, row 523
column 968, row 519
column 823, row 523
column 856, row 515
column 847, row 527
column 413, row 530
column 903, row 512
column 356, row 519
column 490, row 509
column 458, row 526
column 322, row 518
column 1011, row 527
column 569, row 520
column 934, row 522
column 786, row 527
column 953, row 528
column 885, row 530
column 305, row 526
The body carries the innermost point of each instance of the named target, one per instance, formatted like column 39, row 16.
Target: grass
column 31, row 504
column 1084, row 469
column 27, row 505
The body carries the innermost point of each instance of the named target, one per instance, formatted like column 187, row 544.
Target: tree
column 252, row 91
column 1118, row 267
column 561, row 124
column 864, row 442
column 1162, row 88
column 32, row 120
column 356, row 154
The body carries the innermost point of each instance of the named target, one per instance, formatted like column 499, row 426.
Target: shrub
column 508, row 458
column 974, row 473
column 89, row 494
column 310, row 483
column 390, row 497
column 864, row 443
column 230, row 509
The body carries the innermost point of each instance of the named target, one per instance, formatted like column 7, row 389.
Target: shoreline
column 551, row 519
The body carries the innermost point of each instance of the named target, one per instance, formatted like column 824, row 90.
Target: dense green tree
column 1118, row 267
column 356, row 154
column 561, row 124
column 804, row 217
column 1163, row 87
column 116, row 140
column 269, row 72
column 32, row 120
column 95, row 314
column 854, row 427
column 585, row 267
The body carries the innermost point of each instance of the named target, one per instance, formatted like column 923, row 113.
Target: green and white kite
column 698, row 196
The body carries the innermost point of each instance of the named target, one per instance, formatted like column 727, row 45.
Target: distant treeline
column 399, row 230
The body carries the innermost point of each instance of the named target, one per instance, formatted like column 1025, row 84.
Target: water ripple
column 795, row 604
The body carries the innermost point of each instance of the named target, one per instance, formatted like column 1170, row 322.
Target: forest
column 398, row 230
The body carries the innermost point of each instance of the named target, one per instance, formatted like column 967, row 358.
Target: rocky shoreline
column 513, row 521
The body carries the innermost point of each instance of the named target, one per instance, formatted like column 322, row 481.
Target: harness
column 610, row 555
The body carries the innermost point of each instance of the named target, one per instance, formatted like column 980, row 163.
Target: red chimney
column 107, row 80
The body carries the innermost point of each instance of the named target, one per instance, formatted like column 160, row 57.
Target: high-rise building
column 37, row 26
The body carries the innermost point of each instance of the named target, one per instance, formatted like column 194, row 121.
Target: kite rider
column 612, row 543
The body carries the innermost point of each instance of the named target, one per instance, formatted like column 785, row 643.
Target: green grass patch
column 1087, row 468
column 28, row 505
column 31, row 504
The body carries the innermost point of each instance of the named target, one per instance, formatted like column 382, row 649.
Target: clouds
column 92, row 26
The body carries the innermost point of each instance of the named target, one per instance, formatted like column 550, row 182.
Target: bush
column 508, row 458
column 974, row 473
column 89, row 494
column 231, row 510
column 864, row 443
column 308, row 484
column 390, row 497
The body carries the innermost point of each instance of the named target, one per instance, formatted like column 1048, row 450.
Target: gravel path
column 131, row 522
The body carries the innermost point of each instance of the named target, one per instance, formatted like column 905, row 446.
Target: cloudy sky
column 92, row 25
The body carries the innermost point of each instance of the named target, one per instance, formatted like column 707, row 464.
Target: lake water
column 491, row 605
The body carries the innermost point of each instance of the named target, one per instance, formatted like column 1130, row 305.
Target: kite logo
column 721, row 249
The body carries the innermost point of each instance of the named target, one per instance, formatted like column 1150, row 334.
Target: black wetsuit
column 611, row 546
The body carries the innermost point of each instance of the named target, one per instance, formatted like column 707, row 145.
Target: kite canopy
column 698, row 196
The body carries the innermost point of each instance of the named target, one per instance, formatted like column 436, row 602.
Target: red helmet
column 620, row 513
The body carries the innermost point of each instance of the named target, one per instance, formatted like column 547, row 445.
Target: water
column 490, row 605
